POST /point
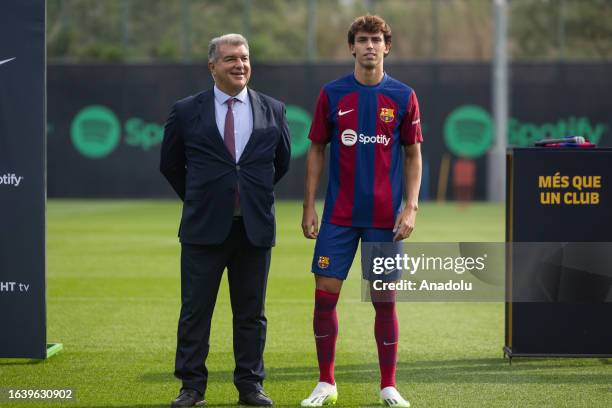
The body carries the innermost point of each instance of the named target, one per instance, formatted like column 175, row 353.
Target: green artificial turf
column 113, row 301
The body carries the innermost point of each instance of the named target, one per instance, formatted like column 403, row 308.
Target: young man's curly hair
column 369, row 24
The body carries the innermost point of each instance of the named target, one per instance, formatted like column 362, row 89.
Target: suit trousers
column 201, row 269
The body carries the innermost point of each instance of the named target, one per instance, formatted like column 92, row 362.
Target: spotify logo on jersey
column 349, row 137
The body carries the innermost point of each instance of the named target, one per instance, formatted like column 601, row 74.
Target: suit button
column 238, row 168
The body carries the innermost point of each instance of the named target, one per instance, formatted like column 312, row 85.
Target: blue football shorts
column 336, row 247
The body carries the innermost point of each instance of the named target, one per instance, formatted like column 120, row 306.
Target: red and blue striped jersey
column 366, row 127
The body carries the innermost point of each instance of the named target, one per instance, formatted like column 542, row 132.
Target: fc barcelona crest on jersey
column 323, row 262
column 387, row 115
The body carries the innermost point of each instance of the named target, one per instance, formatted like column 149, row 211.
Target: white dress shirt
column 243, row 117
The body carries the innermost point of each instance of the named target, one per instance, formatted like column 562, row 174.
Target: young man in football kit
column 371, row 122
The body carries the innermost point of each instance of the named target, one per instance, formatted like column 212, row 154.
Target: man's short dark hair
column 369, row 24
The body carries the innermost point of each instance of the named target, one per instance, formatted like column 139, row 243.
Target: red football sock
column 386, row 332
column 325, row 325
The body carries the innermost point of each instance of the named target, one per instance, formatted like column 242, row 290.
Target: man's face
column 232, row 68
column 369, row 49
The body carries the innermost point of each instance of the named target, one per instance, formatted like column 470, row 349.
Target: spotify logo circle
column 468, row 131
column 299, row 124
column 349, row 137
column 95, row 131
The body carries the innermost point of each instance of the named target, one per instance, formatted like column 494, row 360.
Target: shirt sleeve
column 320, row 128
column 410, row 132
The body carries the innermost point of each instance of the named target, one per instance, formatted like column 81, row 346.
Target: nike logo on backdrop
column 340, row 113
column 7, row 60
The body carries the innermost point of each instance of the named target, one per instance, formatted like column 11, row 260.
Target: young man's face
column 232, row 69
column 369, row 49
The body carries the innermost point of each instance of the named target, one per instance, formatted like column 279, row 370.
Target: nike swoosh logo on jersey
column 340, row 113
column 7, row 60
column 389, row 344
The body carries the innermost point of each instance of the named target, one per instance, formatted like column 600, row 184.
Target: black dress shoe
column 256, row 399
column 188, row 398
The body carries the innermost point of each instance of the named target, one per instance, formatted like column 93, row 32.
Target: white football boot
column 323, row 394
column 390, row 397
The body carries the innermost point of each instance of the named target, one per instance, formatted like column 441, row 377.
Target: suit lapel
column 259, row 110
column 259, row 121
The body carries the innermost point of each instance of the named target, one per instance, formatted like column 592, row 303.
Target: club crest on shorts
column 387, row 115
column 323, row 262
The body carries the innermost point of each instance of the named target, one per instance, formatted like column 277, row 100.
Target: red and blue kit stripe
column 366, row 126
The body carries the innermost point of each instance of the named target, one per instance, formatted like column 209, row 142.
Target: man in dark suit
column 223, row 151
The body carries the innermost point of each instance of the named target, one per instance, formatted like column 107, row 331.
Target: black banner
column 22, row 179
column 106, row 121
column 559, row 196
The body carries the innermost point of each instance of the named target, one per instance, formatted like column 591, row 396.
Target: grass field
column 113, row 301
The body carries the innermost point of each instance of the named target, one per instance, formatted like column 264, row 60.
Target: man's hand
column 404, row 224
column 310, row 223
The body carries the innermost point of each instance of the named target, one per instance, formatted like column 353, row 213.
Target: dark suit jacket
column 203, row 173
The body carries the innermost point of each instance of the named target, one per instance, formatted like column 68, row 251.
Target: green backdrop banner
column 106, row 121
